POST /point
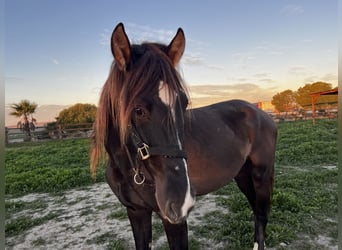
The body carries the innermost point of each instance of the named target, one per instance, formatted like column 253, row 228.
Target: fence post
column 6, row 135
column 60, row 133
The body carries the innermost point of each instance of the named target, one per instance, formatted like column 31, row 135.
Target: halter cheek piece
column 144, row 152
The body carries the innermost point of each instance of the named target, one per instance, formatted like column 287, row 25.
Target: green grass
column 301, row 144
column 113, row 242
column 120, row 214
column 304, row 199
column 20, row 225
column 16, row 207
column 52, row 167
column 39, row 242
column 304, row 202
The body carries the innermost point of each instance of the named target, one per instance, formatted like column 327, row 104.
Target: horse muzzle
column 174, row 214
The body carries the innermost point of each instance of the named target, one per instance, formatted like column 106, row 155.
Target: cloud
column 96, row 90
column 196, row 59
column 144, row 33
column 215, row 67
column 243, row 58
column 13, row 78
column 293, row 9
column 264, row 77
column 206, row 94
column 193, row 59
column 240, row 79
column 276, row 53
column 196, row 43
column 105, row 37
column 298, row 70
column 261, row 75
column 270, row 48
column 307, row 41
column 266, row 80
column 328, row 78
column 55, row 61
column 140, row 33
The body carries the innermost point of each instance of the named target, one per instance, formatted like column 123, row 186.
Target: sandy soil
column 82, row 216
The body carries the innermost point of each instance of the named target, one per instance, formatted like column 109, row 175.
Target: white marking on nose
column 164, row 95
column 189, row 201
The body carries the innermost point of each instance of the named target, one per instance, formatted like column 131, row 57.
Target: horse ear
column 176, row 48
column 121, row 48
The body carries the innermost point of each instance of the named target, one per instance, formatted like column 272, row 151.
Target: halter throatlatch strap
column 145, row 152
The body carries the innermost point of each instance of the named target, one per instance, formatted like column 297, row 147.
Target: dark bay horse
column 160, row 155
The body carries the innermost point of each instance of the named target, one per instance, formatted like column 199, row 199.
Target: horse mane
column 148, row 66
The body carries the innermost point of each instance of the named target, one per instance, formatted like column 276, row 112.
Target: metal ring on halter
column 141, row 176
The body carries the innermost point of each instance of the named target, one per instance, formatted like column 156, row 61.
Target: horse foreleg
column 263, row 186
column 141, row 223
column 262, row 208
column 177, row 235
column 258, row 190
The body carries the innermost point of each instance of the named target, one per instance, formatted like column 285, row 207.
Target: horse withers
column 161, row 155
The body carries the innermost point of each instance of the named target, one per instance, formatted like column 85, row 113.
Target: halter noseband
column 144, row 152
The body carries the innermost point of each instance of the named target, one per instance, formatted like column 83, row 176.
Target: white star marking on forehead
column 165, row 95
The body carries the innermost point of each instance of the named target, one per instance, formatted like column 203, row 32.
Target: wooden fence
column 60, row 131
column 49, row 132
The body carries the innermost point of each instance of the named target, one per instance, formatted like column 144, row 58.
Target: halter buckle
column 144, row 152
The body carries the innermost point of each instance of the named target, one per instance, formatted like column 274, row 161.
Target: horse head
column 150, row 117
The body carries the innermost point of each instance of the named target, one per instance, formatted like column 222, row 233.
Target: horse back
column 219, row 138
column 242, row 118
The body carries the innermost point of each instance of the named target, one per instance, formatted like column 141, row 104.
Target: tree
column 78, row 113
column 303, row 97
column 24, row 111
column 284, row 101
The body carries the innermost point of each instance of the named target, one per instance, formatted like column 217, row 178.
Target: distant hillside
column 43, row 114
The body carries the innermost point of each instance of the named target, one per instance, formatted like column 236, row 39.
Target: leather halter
column 144, row 152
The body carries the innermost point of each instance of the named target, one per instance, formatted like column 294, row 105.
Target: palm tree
column 24, row 111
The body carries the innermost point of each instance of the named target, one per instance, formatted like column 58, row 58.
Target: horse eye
column 139, row 111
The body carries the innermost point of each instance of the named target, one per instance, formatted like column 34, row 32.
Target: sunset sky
column 58, row 52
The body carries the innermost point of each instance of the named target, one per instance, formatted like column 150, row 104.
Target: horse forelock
column 148, row 67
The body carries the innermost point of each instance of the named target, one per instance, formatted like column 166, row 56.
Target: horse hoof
column 256, row 246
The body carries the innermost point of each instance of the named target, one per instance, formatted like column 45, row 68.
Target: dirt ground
column 82, row 217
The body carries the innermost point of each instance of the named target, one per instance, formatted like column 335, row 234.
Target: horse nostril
column 173, row 209
column 172, row 213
